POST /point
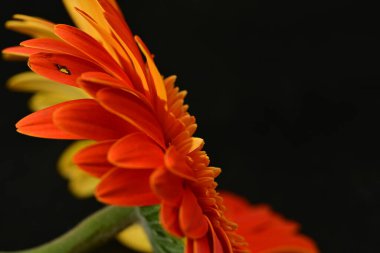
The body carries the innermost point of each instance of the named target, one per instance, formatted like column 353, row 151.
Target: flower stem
column 90, row 233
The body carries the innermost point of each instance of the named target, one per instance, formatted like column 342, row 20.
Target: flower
column 144, row 151
column 264, row 230
column 47, row 93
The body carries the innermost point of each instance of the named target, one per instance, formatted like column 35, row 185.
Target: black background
column 286, row 95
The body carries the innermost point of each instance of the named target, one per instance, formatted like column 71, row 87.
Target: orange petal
column 93, row 159
column 280, row 243
column 169, row 219
column 167, row 186
column 124, row 37
column 132, row 109
column 202, row 245
column 189, row 245
column 92, row 82
column 90, row 47
column 176, row 163
column 40, row 124
column 218, row 245
column 115, row 49
column 136, row 151
column 52, row 45
column 61, row 68
column 191, row 218
column 86, row 118
column 158, row 80
column 123, row 187
column 18, row 51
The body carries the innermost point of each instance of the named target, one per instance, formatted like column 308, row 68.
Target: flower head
column 265, row 230
column 144, row 151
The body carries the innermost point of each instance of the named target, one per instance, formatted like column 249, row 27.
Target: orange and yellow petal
column 32, row 26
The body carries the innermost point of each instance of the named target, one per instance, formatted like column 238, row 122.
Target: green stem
column 90, row 233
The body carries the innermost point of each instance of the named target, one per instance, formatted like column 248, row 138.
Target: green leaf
column 161, row 241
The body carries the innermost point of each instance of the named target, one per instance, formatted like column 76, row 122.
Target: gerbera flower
column 144, row 151
column 265, row 231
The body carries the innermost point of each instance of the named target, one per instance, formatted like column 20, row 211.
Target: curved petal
column 202, row 245
column 135, row 237
column 93, row 159
column 92, row 82
column 123, row 35
column 136, row 151
column 32, row 26
column 86, row 118
column 191, row 218
column 90, row 47
column 40, row 124
column 61, row 68
column 167, row 186
column 52, row 45
column 177, row 164
column 92, row 8
column 220, row 246
column 189, row 246
column 32, row 82
column 131, row 108
column 158, row 85
column 169, row 219
column 42, row 100
column 18, row 53
column 123, row 187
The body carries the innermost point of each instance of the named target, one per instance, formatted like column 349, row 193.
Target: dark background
column 286, row 95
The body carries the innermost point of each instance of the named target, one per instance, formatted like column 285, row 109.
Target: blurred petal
column 265, row 230
column 32, row 26
column 81, row 184
column 42, row 100
column 134, row 237
column 65, row 162
column 32, row 82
